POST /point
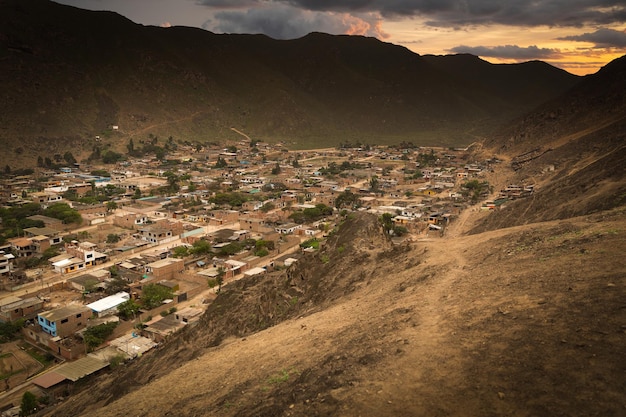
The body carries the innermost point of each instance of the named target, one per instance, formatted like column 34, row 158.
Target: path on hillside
column 169, row 122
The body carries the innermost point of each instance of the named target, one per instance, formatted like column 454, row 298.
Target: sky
column 579, row 36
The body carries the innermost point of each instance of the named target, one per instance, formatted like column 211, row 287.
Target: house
column 131, row 221
column 165, row 269
column 23, row 247
column 287, row 228
column 89, row 282
column 108, row 305
column 53, row 235
column 65, row 263
column 85, row 251
column 161, row 231
column 6, row 263
column 15, row 308
column 64, row 321
column 159, row 328
column 252, row 224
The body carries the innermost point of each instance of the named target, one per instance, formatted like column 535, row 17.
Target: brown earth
column 523, row 321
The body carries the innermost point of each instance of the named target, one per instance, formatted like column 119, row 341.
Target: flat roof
column 163, row 262
column 109, row 302
column 49, row 379
column 63, row 312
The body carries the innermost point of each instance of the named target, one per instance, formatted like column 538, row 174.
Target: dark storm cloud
column 454, row 13
column 602, row 38
column 508, row 52
column 284, row 22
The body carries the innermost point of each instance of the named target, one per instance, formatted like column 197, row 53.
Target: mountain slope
column 450, row 326
column 72, row 74
column 572, row 149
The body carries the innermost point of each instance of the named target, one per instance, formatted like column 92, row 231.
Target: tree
column 180, row 252
column 201, row 247
column 128, row 309
column 130, row 146
column 346, row 199
column 69, row 158
column 220, row 163
column 116, row 284
column 276, row 170
column 113, row 238
column 387, row 221
column 154, row 294
column 63, row 212
column 172, row 180
column 111, row 206
column 29, row 404
column 374, row 183
column 96, row 335
column 40, row 161
column 220, row 277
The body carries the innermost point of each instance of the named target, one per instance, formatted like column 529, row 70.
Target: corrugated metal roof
column 81, row 368
column 109, row 302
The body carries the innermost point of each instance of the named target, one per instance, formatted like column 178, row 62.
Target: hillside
column 71, row 74
column 513, row 312
column 572, row 149
column 520, row 321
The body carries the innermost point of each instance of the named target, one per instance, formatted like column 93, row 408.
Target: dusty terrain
column 524, row 321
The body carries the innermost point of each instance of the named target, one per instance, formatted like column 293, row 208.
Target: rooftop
column 63, row 312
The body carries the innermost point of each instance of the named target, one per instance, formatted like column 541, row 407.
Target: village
column 102, row 262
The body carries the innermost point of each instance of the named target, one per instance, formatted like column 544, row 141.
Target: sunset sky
column 579, row 36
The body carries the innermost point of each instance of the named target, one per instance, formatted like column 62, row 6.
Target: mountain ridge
column 73, row 74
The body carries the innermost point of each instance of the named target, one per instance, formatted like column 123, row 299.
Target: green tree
column 69, row 158
column 276, row 170
column 220, row 163
column 111, row 206
column 111, row 157
column 29, row 404
column 154, row 294
column 128, row 309
column 96, row 335
column 387, row 221
column 201, row 247
column 180, row 251
column 346, row 199
column 374, row 183
column 113, row 238
column 221, row 272
column 63, row 212
column 9, row 330
column 116, row 284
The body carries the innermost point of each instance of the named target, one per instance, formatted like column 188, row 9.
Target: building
column 6, row 263
column 64, row 321
column 108, row 305
column 15, row 308
column 165, row 269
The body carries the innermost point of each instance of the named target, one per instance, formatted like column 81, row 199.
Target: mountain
column 69, row 75
column 572, row 149
column 513, row 312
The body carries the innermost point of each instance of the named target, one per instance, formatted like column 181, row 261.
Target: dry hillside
column 522, row 321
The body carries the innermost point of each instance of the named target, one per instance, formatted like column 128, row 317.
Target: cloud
column 508, row 52
column 455, row 13
column 285, row 22
column 601, row 38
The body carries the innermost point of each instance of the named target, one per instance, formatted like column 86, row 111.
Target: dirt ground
column 522, row 321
